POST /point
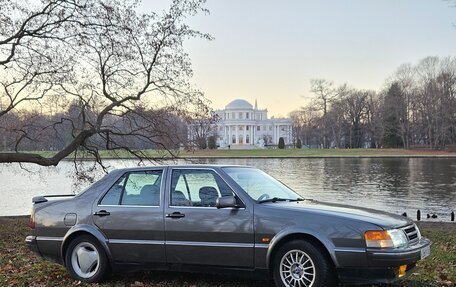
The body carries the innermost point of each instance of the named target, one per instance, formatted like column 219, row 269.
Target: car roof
column 199, row 166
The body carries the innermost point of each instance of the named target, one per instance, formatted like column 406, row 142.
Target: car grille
column 412, row 233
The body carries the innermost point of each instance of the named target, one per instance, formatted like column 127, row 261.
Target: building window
column 233, row 139
column 270, row 128
column 247, row 115
column 240, row 115
column 258, row 128
column 240, row 128
column 247, row 128
column 233, row 116
column 247, row 139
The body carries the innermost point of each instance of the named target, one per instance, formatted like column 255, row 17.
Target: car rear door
column 130, row 214
column 199, row 233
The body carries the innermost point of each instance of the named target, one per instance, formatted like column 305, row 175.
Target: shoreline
column 290, row 153
column 268, row 157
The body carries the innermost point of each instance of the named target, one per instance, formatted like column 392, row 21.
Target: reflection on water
column 394, row 184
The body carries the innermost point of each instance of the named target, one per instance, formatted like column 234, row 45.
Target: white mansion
column 240, row 125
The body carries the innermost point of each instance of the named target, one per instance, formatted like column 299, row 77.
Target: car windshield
column 260, row 186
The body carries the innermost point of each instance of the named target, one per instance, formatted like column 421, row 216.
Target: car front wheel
column 300, row 263
column 86, row 260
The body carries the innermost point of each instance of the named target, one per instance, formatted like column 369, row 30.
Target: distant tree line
column 417, row 107
column 141, row 129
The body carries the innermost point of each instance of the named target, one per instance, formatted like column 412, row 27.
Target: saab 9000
column 220, row 218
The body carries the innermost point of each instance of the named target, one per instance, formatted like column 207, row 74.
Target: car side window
column 135, row 188
column 112, row 197
column 198, row 188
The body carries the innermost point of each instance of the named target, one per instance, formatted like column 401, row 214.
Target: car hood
column 383, row 219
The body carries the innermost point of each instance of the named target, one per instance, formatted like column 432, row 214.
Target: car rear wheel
column 300, row 263
column 86, row 260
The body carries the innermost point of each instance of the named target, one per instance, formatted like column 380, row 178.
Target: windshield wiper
column 274, row 199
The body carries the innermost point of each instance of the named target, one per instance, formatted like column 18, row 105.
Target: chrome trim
column 49, row 238
column 30, row 238
column 190, row 206
column 210, row 244
column 128, row 241
column 261, row 245
column 355, row 250
column 395, row 254
column 125, row 205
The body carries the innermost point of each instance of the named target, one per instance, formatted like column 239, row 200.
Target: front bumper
column 372, row 275
column 32, row 244
column 381, row 266
column 396, row 257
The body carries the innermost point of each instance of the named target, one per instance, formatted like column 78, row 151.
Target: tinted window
column 112, row 197
column 199, row 188
column 136, row 188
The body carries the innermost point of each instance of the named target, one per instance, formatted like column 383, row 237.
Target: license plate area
column 425, row 252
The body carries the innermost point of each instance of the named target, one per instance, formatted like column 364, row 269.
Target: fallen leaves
column 20, row 267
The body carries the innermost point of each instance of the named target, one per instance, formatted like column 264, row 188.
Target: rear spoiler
column 43, row 198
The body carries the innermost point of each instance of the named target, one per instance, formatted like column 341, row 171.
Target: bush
column 211, row 142
column 281, row 144
column 201, row 143
column 298, row 143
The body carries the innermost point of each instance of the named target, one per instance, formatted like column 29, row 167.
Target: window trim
column 162, row 187
column 168, row 191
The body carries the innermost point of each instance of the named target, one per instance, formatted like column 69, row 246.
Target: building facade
column 241, row 125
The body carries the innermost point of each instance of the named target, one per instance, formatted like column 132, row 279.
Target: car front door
column 130, row 214
column 199, row 233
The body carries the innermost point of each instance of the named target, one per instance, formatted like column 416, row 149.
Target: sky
column 269, row 50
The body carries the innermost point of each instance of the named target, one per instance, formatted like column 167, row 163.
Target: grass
column 20, row 267
column 269, row 153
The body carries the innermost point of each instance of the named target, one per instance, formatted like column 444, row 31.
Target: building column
column 253, row 134
column 273, row 134
column 229, row 135
column 237, row 134
column 244, row 133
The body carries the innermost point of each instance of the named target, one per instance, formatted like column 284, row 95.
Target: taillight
column 31, row 222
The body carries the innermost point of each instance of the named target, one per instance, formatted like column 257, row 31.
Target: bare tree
column 325, row 93
column 202, row 126
column 109, row 61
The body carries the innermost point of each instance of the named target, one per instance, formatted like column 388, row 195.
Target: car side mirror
column 226, row 201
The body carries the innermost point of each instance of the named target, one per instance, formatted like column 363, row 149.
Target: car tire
column 86, row 260
column 301, row 263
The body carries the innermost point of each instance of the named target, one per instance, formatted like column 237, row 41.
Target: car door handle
column 102, row 213
column 175, row 215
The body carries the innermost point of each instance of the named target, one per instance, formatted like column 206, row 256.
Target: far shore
column 268, row 153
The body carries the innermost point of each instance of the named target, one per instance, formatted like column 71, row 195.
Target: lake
column 393, row 184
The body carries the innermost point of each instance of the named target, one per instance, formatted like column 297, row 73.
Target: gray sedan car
column 220, row 218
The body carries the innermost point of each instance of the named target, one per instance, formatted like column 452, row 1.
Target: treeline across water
column 417, row 107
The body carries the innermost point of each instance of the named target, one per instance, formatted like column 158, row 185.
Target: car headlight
column 385, row 238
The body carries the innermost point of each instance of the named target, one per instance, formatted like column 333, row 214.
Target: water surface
column 393, row 184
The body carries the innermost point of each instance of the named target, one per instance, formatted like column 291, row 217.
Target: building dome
column 239, row 104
